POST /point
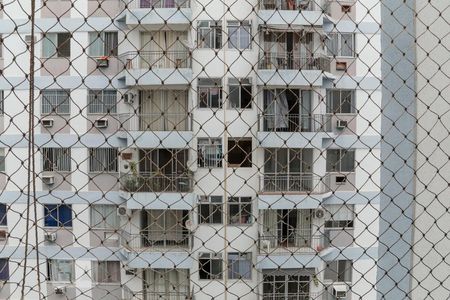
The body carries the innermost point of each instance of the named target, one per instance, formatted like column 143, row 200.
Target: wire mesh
column 220, row 149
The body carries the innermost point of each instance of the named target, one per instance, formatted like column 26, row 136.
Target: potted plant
column 131, row 182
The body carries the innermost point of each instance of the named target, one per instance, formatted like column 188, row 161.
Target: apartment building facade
column 194, row 149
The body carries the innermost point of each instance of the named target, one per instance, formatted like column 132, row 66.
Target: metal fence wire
column 222, row 149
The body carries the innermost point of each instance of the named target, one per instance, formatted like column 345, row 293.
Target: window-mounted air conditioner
column 341, row 124
column 50, row 237
column 101, row 123
column 48, row 179
column 47, row 123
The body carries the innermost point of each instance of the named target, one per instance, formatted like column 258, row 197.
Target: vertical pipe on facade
column 225, row 171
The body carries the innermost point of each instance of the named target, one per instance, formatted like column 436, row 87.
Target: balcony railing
column 295, row 123
column 156, row 239
column 291, row 296
column 156, row 122
column 297, row 241
column 156, row 59
column 295, row 182
column 292, row 61
column 157, row 183
column 151, row 4
column 287, row 4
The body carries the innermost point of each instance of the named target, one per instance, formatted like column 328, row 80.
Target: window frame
column 207, row 86
column 215, row 208
column 100, row 209
column 56, row 108
column 240, row 27
column 241, row 257
column 339, row 223
column 342, row 100
column 2, row 102
column 103, row 265
column 56, row 48
column 212, row 144
column 213, row 258
column 341, row 153
column 248, row 159
column 4, row 269
column 240, row 85
column 100, row 96
column 4, row 214
column 94, row 36
column 110, row 163
column 340, row 41
column 240, row 204
column 50, row 164
column 2, row 160
column 60, row 261
column 336, row 276
column 212, row 31
column 50, row 208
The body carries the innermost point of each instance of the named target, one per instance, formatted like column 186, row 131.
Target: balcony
column 156, row 59
column 156, row 240
column 156, row 122
column 294, row 123
column 156, row 68
column 287, row 5
column 293, row 61
column 156, row 183
column 300, row 241
column 307, row 183
column 156, row 14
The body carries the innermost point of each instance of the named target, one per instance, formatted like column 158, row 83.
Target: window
column 240, row 153
column 104, row 216
column 340, row 160
column 339, row 271
column 57, row 215
column 55, row 101
column 210, row 92
column 3, row 214
column 56, row 159
column 239, row 265
column 210, row 210
column 340, row 101
column 209, row 151
column 56, row 45
column 2, row 160
column 209, row 34
column 4, row 269
column 240, row 210
column 61, row 270
column 210, row 266
column 240, row 93
column 103, row 159
column 1, row 43
column 339, row 216
column 102, row 102
column 341, row 44
column 239, row 35
column 2, row 102
column 106, row 271
column 103, row 44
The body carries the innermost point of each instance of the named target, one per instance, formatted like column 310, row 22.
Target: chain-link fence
column 224, row 149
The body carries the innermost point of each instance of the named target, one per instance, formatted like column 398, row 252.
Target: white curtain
column 61, row 270
column 96, row 44
column 282, row 110
column 270, row 226
column 164, row 282
column 104, row 216
column 303, row 229
column 50, row 43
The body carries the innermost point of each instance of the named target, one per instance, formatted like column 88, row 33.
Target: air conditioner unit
column 101, row 123
column 341, row 124
column 129, row 97
column 319, row 213
column 48, row 179
column 341, row 179
column 122, row 211
column 50, row 237
column 60, row 290
column 3, row 235
column 47, row 123
column 339, row 291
